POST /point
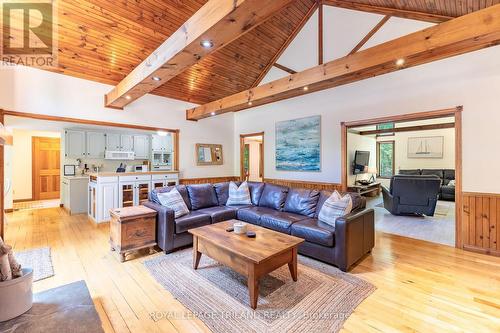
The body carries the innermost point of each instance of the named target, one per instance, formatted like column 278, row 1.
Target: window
column 246, row 159
column 385, row 159
column 383, row 127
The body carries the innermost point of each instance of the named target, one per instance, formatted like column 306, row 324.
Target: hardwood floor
column 422, row 287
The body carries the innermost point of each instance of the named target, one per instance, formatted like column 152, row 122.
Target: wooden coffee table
column 252, row 257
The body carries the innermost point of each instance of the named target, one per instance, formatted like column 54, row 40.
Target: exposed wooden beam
column 278, row 54
column 370, row 34
column 464, row 34
column 218, row 23
column 284, row 68
column 409, row 14
column 408, row 129
column 320, row 32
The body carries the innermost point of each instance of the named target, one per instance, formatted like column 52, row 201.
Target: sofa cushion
column 222, row 192
column 437, row 172
column 253, row 214
column 314, row 231
column 273, row 196
column 301, row 201
column 238, row 195
column 180, row 188
column 202, row 196
column 412, row 172
column 358, row 201
column 334, row 207
column 190, row 221
column 174, row 201
column 280, row 221
column 448, row 174
column 219, row 213
column 255, row 189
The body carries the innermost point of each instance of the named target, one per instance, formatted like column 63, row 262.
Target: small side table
column 371, row 190
column 131, row 229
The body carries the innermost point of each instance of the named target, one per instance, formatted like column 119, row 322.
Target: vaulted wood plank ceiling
column 103, row 40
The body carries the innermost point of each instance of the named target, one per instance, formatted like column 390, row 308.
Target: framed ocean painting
column 298, row 144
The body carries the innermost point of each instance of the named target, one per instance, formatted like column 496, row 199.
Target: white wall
column 471, row 80
column 360, row 142
column 20, row 160
column 254, row 155
column 401, row 160
column 31, row 90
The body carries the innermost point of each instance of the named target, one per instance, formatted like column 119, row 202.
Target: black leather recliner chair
column 412, row 194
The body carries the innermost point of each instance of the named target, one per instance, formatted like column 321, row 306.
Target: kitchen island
column 110, row 190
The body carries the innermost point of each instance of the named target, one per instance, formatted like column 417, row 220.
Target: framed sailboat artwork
column 426, row 147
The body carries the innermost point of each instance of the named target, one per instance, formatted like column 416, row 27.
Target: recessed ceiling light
column 400, row 62
column 207, row 43
column 128, row 97
column 306, row 88
column 250, row 103
column 212, row 113
column 156, row 78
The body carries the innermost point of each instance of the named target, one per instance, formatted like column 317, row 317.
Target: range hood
column 119, row 155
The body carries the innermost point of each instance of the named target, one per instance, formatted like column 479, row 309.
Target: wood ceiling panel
column 452, row 8
column 240, row 63
column 103, row 40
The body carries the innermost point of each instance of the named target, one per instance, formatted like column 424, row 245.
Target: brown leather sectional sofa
column 288, row 210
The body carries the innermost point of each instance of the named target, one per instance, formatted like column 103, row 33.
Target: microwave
column 119, row 155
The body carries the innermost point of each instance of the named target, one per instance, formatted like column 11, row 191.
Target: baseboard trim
column 320, row 186
column 23, row 200
column 205, row 180
column 481, row 250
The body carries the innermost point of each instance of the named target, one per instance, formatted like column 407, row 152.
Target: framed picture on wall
column 426, row 147
column 69, row 170
column 298, row 144
column 209, row 154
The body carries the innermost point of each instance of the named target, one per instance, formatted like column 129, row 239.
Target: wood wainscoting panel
column 481, row 222
column 305, row 184
column 211, row 180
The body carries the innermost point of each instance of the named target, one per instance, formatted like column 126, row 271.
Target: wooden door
column 46, row 165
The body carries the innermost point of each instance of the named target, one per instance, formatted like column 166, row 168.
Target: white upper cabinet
column 75, row 143
column 161, row 142
column 141, row 146
column 113, row 141
column 127, row 142
column 96, row 144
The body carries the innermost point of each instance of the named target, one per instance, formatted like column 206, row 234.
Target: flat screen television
column 360, row 164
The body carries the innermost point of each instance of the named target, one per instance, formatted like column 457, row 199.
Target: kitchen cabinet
column 96, row 144
column 141, row 147
column 74, row 194
column 162, row 180
column 75, row 143
column 127, row 142
column 119, row 142
column 103, row 196
column 111, row 190
column 161, row 142
column 134, row 190
column 113, row 141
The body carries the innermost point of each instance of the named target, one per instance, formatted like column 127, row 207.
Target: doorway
column 46, row 168
column 383, row 130
column 252, row 157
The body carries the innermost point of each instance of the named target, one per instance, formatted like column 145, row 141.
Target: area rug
column 39, row 259
column 68, row 308
column 320, row 301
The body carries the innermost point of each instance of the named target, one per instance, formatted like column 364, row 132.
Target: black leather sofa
column 291, row 211
column 446, row 192
column 412, row 194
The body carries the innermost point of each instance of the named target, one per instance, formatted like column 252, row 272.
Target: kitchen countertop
column 77, row 177
column 115, row 174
